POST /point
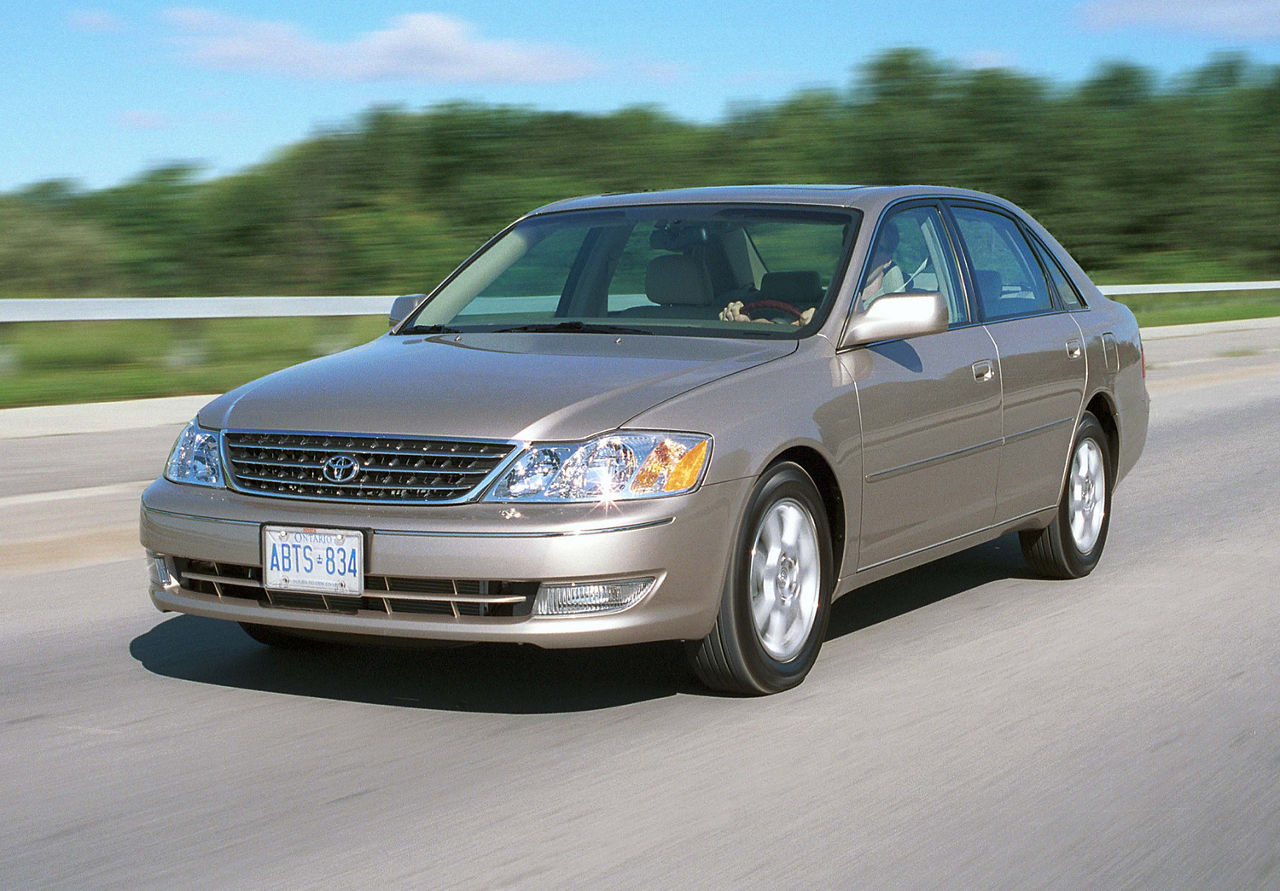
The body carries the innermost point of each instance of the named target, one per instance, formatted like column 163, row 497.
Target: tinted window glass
column 707, row 270
column 627, row 286
column 534, row 285
column 1067, row 292
column 790, row 245
column 911, row 253
column 735, row 258
column 1007, row 276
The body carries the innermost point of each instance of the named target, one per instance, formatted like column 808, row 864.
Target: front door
column 931, row 441
column 930, row 406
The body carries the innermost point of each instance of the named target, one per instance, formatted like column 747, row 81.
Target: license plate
column 318, row 561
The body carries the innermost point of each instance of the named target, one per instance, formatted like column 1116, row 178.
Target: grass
column 49, row 363
column 1188, row 309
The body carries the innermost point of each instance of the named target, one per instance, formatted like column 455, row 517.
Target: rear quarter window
column 1062, row 283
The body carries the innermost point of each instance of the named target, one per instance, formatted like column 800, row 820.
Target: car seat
column 679, row 286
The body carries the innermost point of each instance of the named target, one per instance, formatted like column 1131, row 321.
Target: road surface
column 966, row 724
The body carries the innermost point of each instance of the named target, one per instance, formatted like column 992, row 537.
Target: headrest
column 990, row 285
column 801, row 289
column 677, row 280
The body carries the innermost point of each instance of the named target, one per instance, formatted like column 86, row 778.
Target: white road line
column 1205, row 360
column 1155, row 366
column 98, row 417
column 134, row 488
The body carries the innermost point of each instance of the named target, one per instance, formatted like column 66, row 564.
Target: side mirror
column 893, row 316
column 401, row 308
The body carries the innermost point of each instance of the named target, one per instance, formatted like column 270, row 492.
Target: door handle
column 984, row 370
column 1073, row 349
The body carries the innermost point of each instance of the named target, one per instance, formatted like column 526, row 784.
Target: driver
column 733, row 313
column 884, row 276
column 779, row 299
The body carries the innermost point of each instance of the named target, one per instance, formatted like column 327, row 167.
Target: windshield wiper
column 430, row 329
column 577, row 326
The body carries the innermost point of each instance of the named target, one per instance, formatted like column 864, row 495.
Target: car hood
column 534, row 386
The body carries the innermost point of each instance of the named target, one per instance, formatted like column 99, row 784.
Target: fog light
column 589, row 597
column 159, row 571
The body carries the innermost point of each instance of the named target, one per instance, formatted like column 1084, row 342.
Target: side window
column 1067, row 292
column 1006, row 274
column 911, row 253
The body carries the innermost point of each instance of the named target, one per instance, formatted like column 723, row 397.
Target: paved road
column 966, row 724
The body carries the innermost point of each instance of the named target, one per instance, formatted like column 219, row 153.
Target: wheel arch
column 824, row 477
column 1102, row 406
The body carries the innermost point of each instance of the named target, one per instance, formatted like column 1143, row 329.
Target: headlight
column 617, row 467
column 195, row 458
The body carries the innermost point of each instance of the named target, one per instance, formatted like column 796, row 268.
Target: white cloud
column 665, row 73
column 419, row 47
column 979, row 60
column 1236, row 19
column 98, row 20
column 142, row 119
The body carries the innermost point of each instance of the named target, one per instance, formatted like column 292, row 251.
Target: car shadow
column 492, row 678
column 925, row 585
column 510, row 679
column 900, row 352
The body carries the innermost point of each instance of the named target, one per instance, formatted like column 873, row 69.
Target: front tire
column 777, row 595
column 1070, row 546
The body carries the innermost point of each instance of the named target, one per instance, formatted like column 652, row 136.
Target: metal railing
column 102, row 309
column 93, row 309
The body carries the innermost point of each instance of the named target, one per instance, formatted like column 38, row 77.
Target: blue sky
column 100, row 92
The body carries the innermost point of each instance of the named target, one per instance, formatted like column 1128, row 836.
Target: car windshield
column 706, row 270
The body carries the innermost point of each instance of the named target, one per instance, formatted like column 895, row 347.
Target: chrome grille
column 383, row 594
column 392, row 469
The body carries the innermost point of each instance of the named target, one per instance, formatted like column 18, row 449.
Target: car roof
column 865, row 198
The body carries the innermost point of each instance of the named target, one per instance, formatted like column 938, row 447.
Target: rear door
column 1040, row 352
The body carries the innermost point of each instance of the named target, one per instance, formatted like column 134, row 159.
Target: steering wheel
column 780, row 306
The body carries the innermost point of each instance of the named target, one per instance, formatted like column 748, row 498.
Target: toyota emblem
column 340, row 469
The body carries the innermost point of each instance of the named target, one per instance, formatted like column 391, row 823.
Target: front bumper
column 683, row 542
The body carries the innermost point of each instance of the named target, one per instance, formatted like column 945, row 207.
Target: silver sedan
column 696, row 415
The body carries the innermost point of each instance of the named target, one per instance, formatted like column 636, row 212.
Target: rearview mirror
column 893, row 316
column 401, row 308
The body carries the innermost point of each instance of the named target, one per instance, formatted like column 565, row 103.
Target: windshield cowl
column 575, row 325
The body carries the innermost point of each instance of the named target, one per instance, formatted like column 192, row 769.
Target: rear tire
column 777, row 594
column 1070, row 546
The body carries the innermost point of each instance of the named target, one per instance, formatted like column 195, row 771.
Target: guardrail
column 94, row 309
column 1187, row 288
